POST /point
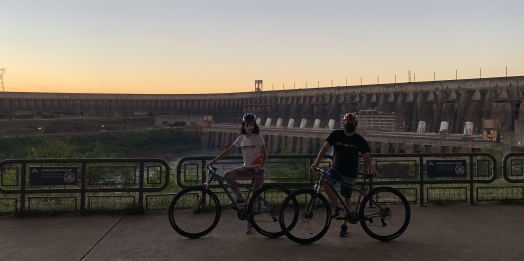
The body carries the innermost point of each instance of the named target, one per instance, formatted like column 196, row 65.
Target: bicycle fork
column 198, row 208
column 309, row 208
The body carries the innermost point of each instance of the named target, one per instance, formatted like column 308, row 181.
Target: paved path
column 459, row 232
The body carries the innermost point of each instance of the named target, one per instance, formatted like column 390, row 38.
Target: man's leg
column 330, row 193
column 344, row 227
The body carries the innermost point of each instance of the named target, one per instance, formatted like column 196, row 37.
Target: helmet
column 351, row 116
column 249, row 117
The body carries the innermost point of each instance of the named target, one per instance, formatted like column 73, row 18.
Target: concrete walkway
column 460, row 232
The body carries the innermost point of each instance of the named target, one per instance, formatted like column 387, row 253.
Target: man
column 347, row 145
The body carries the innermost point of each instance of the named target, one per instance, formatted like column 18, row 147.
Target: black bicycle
column 195, row 211
column 383, row 213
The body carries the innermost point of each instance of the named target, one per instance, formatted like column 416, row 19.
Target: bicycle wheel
column 264, row 207
column 311, row 213
column 386, row 216
column 194, row 212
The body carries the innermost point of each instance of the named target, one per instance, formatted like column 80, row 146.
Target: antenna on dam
column 2, row 71
column 258, row 85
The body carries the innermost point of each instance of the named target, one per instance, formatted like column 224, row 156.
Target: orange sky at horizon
column 202, row 46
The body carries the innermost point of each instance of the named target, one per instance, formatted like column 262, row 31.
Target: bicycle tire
column 393, row 201
column 183, row 214
column 264, row 218
column 308, row 227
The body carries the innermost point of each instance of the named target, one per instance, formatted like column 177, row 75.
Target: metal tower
column 258, row 85
column 2, row 71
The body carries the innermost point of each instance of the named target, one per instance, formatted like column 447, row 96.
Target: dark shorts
column 345, row 177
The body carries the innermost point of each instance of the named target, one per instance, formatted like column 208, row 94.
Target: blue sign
column 446, row 168
column 53, row 175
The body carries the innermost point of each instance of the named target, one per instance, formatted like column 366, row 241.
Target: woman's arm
column 224, row 154
column 264, row 155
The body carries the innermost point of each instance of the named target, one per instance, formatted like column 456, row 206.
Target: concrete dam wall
column 454, row 101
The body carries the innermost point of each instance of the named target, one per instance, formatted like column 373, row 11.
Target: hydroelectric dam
column 301, row 113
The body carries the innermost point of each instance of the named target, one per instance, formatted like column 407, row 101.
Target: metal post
column 471, row 182
column 83, row 189
column 22, row 188
column 421, row 180
column 141, row 187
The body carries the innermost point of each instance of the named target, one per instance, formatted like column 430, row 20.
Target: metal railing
column 97, row 181
column 146, row 184
column 406, row 172
column 513, row 167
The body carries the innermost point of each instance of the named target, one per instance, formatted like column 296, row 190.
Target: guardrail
column 407, row 172
column 96, row 181
column 513, row 167
column 120, row 184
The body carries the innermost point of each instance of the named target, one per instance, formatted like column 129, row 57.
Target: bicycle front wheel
column 384, row 213
column 264, row 207
column 194, row 212
column 305, row 216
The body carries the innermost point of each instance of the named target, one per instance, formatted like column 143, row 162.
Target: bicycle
column 195, row 211
column 382, row 208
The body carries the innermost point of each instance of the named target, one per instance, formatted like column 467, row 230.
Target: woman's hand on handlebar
column 313, row 166
column 375, row 173
column 259, row 169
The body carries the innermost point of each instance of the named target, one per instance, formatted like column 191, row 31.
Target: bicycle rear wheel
column 386, row 216
column 264, row 207
column 311, row 213
column 194, row 212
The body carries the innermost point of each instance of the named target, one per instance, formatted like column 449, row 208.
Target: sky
column 210, row 46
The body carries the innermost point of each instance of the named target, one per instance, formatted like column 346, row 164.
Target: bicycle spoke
column 311, row 223
column 388, row 221
column 265, row 207
column 194, row 212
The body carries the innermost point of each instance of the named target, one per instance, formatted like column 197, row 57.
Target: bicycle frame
column 220, row 180
column 361, row 191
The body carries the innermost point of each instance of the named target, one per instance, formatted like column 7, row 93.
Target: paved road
column 459, row 232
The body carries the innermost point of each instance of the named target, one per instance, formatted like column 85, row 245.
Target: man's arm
column 369, row 164
column 321, row 154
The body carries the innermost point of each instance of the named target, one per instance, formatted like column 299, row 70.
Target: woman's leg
column 237, row 174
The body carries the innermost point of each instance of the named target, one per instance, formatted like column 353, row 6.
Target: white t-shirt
column 250, row 149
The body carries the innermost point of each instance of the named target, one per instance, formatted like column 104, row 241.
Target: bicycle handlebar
column 365, row 175
column 212, row 169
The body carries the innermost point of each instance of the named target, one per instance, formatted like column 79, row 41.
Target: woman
column 254, row 154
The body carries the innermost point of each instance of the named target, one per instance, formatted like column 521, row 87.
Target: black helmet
column 249, row 117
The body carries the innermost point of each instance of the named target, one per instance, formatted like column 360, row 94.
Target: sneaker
column 240, row 202
column 249, row 229
column 338, row 211
column 351, row 217
column 343, row 231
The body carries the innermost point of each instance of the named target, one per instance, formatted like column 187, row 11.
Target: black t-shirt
column 346, row 149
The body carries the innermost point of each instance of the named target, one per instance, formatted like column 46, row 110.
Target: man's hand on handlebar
column 375, row 173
